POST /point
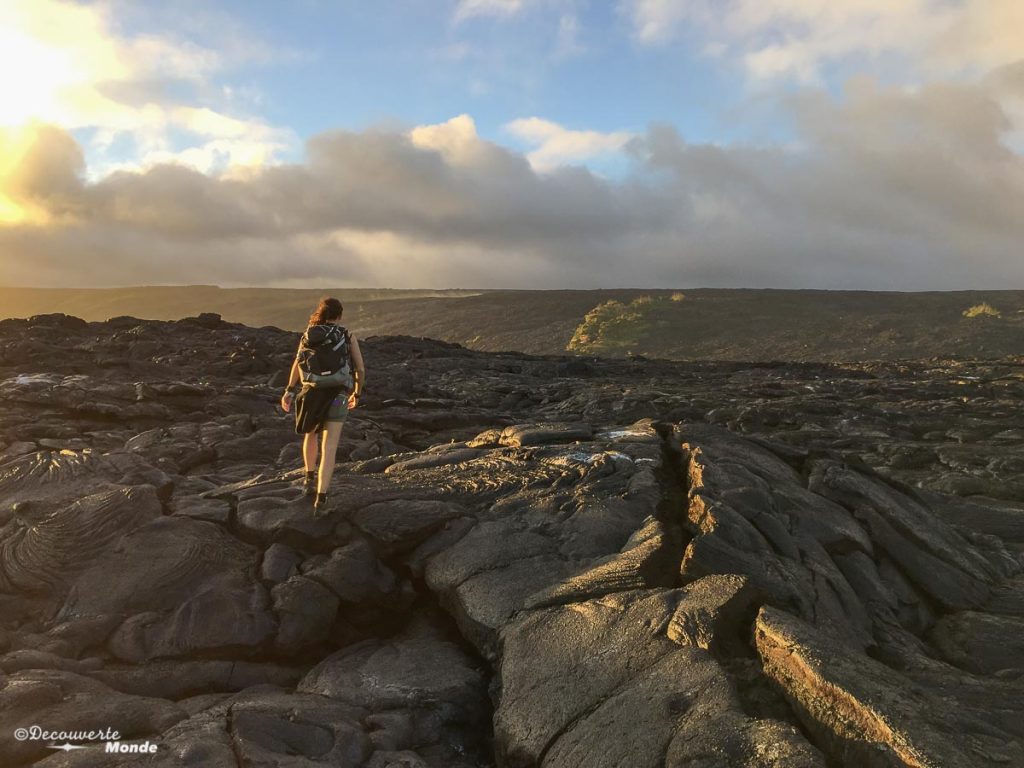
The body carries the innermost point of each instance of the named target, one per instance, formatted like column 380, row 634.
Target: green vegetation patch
column 614, row 327
column 982, row 310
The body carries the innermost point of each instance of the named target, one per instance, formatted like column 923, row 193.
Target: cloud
column 467, row 9
column 456, row 140
column 567, row 44
column 74, row 68
column 885, row 188
column 448, row 201
column 797, row 38
column 558, row 146
column 40, row 170
column 659, row 21
column 890, row 190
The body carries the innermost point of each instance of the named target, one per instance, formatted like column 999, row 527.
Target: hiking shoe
column 320, row 505
column 309, row 484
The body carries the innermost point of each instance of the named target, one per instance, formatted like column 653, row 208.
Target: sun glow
column 14, row 143
column 36, row 75
column 53, row 55
column 73, row 66
column 10, row 212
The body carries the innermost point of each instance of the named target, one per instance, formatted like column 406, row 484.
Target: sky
column 842, row 144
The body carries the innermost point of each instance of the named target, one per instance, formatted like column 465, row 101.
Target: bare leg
column 332, row 434
column 310, row 449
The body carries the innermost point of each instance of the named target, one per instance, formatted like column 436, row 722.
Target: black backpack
column 325, row 356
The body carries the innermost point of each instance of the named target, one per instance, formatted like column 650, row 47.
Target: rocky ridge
column 527, row 560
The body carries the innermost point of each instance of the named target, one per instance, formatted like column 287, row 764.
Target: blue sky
column 353, row 65
column 311, row 66
column 517, row 143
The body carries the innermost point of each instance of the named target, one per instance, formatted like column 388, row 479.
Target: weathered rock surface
column 865, row 713
column 600, row 683
column 526, row 561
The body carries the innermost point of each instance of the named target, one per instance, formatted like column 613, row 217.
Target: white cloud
column 797, row 38
column 658, row 21
column 75, row 69
column 469, row 8
column 568, row 43
column 557, row 146
column 456, row 139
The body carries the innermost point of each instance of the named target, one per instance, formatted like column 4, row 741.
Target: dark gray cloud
column 882, row 189
column 885, row 190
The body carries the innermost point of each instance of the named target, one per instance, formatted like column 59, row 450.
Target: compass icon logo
column 67, row 747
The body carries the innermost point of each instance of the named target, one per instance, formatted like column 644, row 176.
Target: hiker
column 326, row 379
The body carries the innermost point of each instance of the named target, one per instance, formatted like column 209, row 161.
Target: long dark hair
column 328, row 309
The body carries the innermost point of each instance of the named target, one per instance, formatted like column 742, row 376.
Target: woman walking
column 326, row 379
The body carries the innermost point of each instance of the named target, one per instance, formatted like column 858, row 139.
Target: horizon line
column 501, row 290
